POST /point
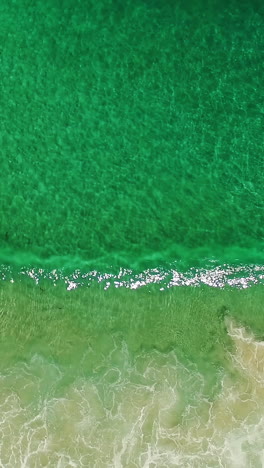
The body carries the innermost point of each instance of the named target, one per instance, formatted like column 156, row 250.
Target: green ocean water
column 131, row 233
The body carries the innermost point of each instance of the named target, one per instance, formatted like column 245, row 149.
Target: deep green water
column 132, row 129
column 131, row 233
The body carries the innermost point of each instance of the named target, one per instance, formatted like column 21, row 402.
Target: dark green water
column 132, row 131
column 131, row 233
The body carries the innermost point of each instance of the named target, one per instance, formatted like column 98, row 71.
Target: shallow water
column 131, row 377
column 131, row 228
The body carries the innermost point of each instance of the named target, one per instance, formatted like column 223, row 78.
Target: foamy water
column 135, row 412
column 130, row 228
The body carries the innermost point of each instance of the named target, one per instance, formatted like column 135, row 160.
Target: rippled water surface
column 131, row 234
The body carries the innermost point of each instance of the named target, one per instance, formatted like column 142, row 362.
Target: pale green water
column 131, row 232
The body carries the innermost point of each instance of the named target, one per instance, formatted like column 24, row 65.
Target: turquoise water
column 132, row 266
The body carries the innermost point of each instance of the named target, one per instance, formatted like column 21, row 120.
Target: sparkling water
column 132, row 265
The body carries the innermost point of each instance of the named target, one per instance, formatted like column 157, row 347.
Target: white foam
column 135, row 415
column 237, row 276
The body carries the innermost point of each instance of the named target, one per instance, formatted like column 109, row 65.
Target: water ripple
column 241, row 277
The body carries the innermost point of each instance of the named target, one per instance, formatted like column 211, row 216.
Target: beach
column 131, row 234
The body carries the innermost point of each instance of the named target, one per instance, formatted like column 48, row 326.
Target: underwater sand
column 131, row 234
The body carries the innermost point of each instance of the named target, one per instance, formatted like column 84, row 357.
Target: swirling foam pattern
column 131, row 234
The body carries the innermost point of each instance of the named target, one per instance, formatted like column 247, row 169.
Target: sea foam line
column 242, row 277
